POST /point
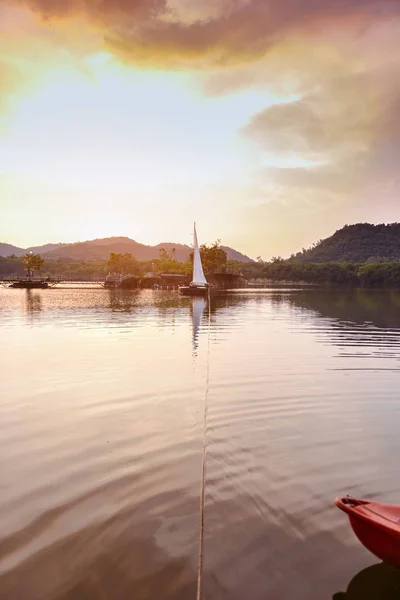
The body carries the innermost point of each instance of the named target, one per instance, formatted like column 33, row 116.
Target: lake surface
column 101, row 411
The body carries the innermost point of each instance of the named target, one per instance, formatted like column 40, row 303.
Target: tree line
column 367, row 274
column 213, row 256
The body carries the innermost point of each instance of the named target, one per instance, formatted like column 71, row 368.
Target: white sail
column 198, row 273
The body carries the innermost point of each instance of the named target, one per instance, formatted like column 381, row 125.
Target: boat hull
column 376, row 525
column 192, row 290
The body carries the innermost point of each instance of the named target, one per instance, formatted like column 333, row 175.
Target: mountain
column 233, row 254
column 9, row 250
column 100, row 249
column 43, row 249
column 358, row 243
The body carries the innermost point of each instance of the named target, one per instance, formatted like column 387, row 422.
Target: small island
column 32, row 263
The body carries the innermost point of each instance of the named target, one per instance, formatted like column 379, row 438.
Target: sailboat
column 199, row 285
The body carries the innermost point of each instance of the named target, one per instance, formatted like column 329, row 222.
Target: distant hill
column 9, row 250
column 44, row 249
column 358, row 243
column 100, row 249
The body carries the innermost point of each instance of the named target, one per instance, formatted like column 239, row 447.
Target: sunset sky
column 270, row 122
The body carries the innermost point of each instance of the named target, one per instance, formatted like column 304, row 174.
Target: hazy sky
column 270, row 122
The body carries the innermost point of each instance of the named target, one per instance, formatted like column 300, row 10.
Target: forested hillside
column 360, row 243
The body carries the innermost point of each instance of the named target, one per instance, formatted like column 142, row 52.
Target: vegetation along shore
column 358, row 255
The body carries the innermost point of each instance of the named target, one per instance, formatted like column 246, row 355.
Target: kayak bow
column 376, row 525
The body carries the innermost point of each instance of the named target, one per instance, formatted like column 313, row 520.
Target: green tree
column 123, row 263
column 164, row 255
column 32, row 262
column 167, row 263
column 213, row 257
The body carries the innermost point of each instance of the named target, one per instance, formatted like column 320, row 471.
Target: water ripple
column 102, row 406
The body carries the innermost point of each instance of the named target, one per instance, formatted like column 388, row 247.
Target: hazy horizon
column 177, row 242
column 111, row 237
column 270, row 124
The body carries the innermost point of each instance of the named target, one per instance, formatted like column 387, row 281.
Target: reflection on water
column 33, row 301
column 359, row 306
column 102, row 409
column 360, row 321
column 122, row 300
column 379, row 582
column 197, row 309
column 112, row 560
column 33, row 305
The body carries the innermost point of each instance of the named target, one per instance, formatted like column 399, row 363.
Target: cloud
column 205, row 32
column 290, row 208
column 332, row 66
column 31, row 54
column 343, row 126
column 334, row 122
column 342, row 123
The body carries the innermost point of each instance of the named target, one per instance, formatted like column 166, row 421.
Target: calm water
column 101, row 412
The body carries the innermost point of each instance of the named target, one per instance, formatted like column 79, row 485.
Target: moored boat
column 194, row 290
column 376, row 525
column 199, row 285
column 30, row 285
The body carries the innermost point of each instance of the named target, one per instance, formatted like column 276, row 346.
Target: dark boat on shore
column 199, row 285
column 30, row 285
column 376, row 525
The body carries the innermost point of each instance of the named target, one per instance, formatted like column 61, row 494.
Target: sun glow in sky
column 269, row 124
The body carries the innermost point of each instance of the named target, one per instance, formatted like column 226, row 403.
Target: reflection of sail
column 198, row 307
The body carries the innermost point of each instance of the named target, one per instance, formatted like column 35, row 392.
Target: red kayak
column 376, row 525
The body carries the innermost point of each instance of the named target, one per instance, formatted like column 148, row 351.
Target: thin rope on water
column 204, row 465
